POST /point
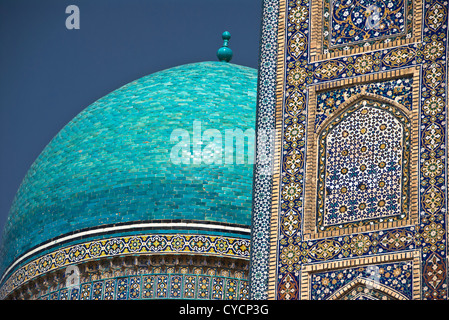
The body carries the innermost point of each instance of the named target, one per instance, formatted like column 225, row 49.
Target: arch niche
column 359, row 166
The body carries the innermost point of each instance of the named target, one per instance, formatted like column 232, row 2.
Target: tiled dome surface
column 111, row 163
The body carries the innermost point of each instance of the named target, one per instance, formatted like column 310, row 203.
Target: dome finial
column 225, row 53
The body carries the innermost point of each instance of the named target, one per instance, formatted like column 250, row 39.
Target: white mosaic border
column 265, row 135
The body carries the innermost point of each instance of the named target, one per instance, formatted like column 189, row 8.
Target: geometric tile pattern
column 155, row 286
column 263, row 167
column 363, row 152
column 337, row 103
column 426, row 51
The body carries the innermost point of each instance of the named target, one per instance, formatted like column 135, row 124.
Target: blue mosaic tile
column 324, row 46
column 162, row 286
column 365, row 21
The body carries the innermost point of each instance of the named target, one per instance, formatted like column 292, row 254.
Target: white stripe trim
column 189, row 225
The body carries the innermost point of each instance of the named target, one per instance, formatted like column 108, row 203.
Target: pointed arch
column 364, row 282
column 363, row 143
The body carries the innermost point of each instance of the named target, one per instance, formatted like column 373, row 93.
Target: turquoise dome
column 111, row 164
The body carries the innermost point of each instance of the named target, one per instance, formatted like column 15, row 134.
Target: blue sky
column 48, row 74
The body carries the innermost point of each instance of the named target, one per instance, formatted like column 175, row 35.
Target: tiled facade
column 335, row 63
column 349, row 193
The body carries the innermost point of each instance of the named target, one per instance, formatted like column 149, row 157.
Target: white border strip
column 190, row 225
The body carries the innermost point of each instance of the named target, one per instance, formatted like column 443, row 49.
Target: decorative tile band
column 263, row 179
column 222, row 246
column 156, row 224
column 156, row 286
column 275, row 193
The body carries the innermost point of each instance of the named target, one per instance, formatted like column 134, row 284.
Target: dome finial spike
column 225, row 53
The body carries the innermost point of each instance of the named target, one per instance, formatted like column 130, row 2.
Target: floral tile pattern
column 428, row 53
column 362, row 22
